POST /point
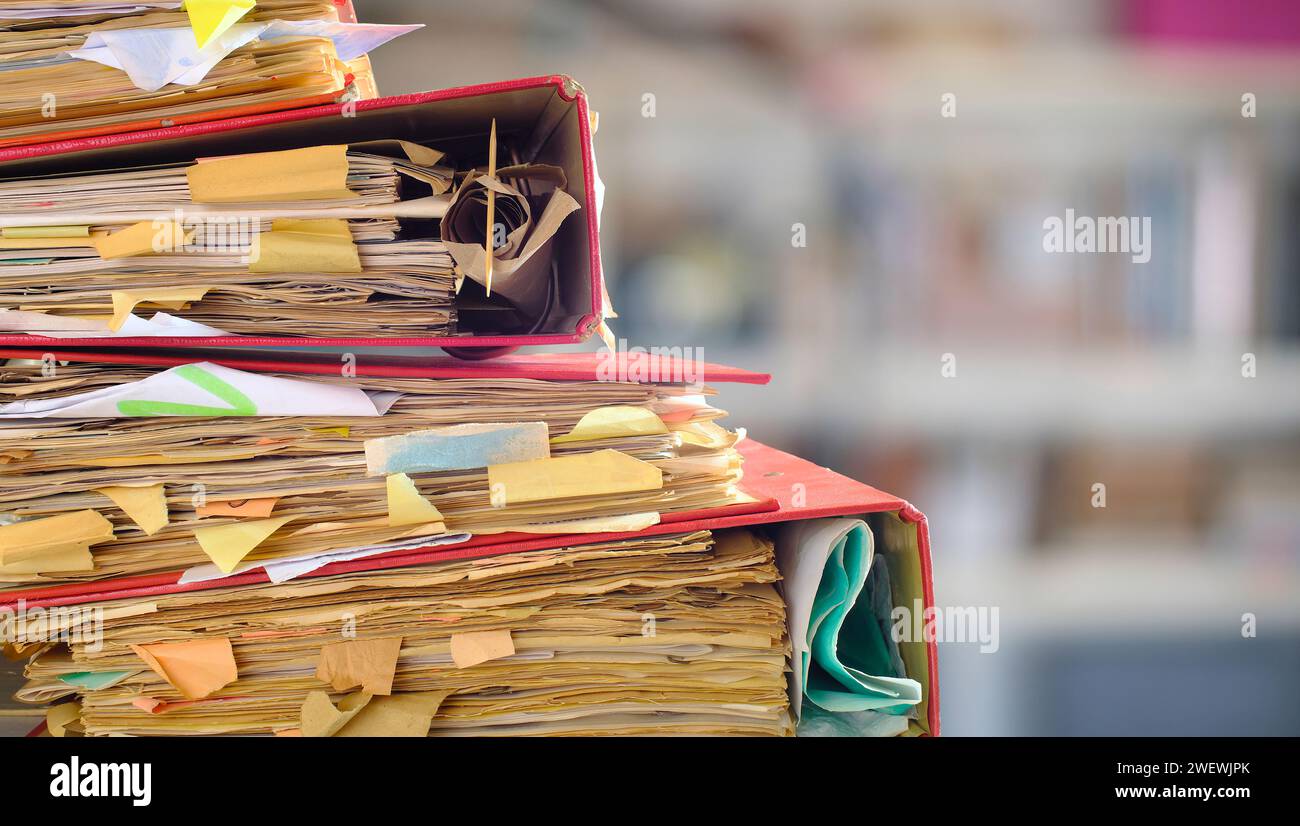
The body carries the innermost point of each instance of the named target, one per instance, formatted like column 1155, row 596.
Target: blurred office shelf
column 1138, row 589
column 1027, row 394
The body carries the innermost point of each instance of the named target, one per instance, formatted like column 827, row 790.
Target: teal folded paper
column 839, row 602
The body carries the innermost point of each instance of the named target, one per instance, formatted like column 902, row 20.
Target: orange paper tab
column 366, row 663
column 250, row 508
column 474, row 647
column 195, row 668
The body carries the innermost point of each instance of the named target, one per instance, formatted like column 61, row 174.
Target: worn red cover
column 564, row 86
column 541, row 366
column 770, row 475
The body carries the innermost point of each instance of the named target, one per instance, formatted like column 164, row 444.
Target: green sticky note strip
column 95, row 680
column 851, row 665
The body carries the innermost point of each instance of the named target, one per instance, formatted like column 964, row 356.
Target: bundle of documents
column 77, row 68
column 675, row 634
column 116, row 471
column 308, row 242
column 536, row 549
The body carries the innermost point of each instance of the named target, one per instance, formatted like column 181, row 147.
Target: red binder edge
column 770, row 476
column 565, row 86
column 541, row 366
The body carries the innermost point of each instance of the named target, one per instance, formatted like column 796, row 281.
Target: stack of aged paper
column 113, row 471
column 86, row 67
column 675, row 634
column 307, row 242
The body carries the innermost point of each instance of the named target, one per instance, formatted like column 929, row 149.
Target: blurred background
column 724, row 124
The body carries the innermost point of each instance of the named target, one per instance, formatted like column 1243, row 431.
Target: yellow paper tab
column 703, row 434
column 58, row 718
column 246, row 508
column 401, row 715
column 144, row 238
column 170, row 298
column 227, row 545
column 211, row 18
column 34, row 538
column 474, row 647
column 563, row 477
column 626, row 523
column 324, row 245
column 321, row 719
column 147, row 506
column 45, row 232
column 49, row 243
column 53, row 560
column 195, row 668
column 314, row 173
column 341, row 430
column 406, row 506
column 326, row 227
column 613, row 422
column 369, row 664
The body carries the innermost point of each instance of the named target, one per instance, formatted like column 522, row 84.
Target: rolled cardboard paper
column 521, row 263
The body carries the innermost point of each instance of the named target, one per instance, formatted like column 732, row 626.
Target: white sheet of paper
column 351, row 40
column 153, row 58
column 161, row 324
column 291, row 567
column 38, row 12
column 802, row 549
column 191, row 390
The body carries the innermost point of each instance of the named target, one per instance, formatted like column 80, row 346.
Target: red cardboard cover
column 770, row 475
column 582, row 324
column 647, row 367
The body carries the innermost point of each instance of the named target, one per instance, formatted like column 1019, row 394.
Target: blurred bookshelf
column 924, row 237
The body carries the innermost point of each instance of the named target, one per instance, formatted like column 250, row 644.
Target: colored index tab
column 195, row 668
column 369, row 664
column 211, row 18
column 227, row 545
column 614, row 422
column 320, row 718
column 245, row 508
column 143, row 238
column 406, row 506
column 171, row 298
column 314, row 173
column 474, row 647
column 45, row 232
column 563, row 477
column 457, row 447
column 36, row 537
column 305, row 246
column 146, row 505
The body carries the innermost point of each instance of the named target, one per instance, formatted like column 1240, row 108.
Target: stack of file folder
column 84, row 68
column 200, row 541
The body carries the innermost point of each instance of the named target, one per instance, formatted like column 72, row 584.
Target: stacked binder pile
column 669, row 633
column 302, row 544
column 78, row 68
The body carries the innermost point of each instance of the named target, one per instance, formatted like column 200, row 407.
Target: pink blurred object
column 1256, row 22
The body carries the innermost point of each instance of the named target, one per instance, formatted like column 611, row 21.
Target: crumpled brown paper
column 521, row 265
